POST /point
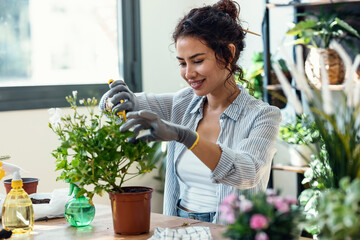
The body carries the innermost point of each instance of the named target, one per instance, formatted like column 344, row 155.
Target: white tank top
column 197, row 192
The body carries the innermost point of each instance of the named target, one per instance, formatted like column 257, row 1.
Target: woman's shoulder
column 184, row 95
column 255, row 105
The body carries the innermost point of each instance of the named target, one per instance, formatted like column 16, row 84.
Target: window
column 50, row 48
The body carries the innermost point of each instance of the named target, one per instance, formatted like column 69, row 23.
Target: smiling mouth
column 196, row 84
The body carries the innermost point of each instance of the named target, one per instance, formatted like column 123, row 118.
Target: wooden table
column 102, row 227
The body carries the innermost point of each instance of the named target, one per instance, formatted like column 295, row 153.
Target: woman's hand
column 160, row 130
column 119, row 98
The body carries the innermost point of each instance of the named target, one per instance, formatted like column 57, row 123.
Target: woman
column 220, row 137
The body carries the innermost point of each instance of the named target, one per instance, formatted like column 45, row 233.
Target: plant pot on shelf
column 131, row 210
column 299, row 155
column 333, row 64
column 29, row 185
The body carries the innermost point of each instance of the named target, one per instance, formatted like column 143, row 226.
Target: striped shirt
column 249, row 129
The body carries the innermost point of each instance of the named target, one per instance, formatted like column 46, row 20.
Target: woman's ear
column 232, row 48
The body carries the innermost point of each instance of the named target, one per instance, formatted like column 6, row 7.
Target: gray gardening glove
column 119, row 98
column 160, row 130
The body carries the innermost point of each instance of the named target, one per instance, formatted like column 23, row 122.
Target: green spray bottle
column 78, row 210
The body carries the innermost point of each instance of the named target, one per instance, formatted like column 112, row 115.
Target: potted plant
column 261, row 216
column 316, row 32
column 95, row 155
column 301, row 136
column 338, row 122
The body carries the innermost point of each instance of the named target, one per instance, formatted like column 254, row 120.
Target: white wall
column 25, row 135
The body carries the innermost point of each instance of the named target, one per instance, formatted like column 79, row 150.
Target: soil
column 134, row 190
column 40, row 201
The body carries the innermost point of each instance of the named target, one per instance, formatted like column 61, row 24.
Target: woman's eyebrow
column 193, row 56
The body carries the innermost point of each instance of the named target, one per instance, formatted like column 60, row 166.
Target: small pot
column 29, row 185
column 131, row 210
column 300, row 155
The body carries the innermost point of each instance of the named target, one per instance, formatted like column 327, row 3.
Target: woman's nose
column 190, row 73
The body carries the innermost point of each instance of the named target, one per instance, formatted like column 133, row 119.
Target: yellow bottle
column 17, row 211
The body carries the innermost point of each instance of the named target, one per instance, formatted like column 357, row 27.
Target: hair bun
column 228, row 6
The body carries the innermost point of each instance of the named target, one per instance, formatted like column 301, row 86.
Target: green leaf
column 302, row 26
column 347, row 27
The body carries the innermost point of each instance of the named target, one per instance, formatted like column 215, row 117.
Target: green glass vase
column 78, row 211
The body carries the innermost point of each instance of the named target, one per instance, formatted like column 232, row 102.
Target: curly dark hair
column 217, row 26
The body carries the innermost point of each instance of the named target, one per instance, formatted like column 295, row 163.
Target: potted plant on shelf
column 97, row 157
column 301, row 136
column 338, row 122
column 261, row 216
column 316, row 32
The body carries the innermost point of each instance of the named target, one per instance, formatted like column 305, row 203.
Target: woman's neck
column 224, row 98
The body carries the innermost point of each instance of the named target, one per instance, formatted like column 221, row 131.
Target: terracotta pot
column 131, row 210
column 29, row 185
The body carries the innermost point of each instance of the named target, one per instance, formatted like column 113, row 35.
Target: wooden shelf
column 290, row 168
column 310, row 3
column 278, row 87
column 275, row 87
column 339, row 87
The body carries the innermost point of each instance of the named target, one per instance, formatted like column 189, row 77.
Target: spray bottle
column 78, row 210
column 17, row 211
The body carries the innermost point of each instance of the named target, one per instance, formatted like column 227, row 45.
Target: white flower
column 74, row 93
column 55, row 116
column 81, row 101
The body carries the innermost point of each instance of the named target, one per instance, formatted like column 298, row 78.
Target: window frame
column 39, row 97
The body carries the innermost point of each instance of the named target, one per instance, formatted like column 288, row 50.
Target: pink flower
column 281, row 205
column 229, row 199
column 270, row 192
column 258, row 221
column 227, row 211
column 271, row 199
column 230, row 218
column 246, row 205
column 291, row 200
column 261, row 236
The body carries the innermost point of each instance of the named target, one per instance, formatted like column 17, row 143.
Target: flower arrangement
column 93, row 153
column 261, row 216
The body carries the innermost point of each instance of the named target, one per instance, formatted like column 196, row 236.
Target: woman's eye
column 198, row 61
column 182, row 64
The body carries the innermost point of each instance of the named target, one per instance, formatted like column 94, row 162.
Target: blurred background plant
column 303, row 131
column 4, row 157
column 320, row 29
column 255, row 77
column 337, row 118
column 338, row 215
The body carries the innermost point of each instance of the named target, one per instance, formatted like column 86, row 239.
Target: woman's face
column 199, row 67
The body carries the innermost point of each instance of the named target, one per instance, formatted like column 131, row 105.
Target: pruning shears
column 122, row 113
